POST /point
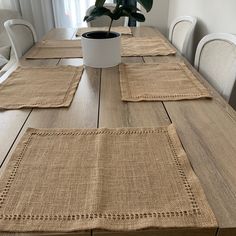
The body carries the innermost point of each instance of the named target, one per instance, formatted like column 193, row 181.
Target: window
column 70, row 13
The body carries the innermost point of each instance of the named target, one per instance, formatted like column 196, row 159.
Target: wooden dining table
column 206, row 127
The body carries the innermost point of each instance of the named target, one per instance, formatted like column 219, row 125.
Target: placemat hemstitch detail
column 159, row 82
column 42, row 87
column 55, row 49
column 114, row 179
column 146, row 46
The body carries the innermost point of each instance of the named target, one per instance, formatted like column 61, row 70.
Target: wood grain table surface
column 207, row 129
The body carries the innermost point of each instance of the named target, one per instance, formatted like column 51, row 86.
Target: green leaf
column 120, row 10
column 98, row 11
column 88, row 18
column 99, row 3
column 124, row 11
column 119, row 2
column 128, row 11
column 130, row 8
column 138, row 16
column 147, row 4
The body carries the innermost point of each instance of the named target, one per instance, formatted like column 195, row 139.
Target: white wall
column 39, row 13
column 158, row 16
column 213, row 15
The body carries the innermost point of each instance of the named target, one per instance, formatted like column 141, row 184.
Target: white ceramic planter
column 101, row 52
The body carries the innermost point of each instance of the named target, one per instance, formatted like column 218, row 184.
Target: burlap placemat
column 159, row 82
column 131, row 46
column 146, row 46
column 119, row 29
column 55, row 49
column 113, row 179
column 40, row 87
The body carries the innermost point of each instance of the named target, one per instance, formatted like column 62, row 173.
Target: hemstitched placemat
column 146, row 46
column 43, row 87
column 114, row 179
column 131, row 46
column 55, row 49
column 159, row 82
column 119, row 29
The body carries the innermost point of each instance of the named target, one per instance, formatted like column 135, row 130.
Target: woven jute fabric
column 54, row 49
column 119, row 29
column 112, row 179
column 131, row 46
column 43, row 87
column 146, row 46
column 159, row 82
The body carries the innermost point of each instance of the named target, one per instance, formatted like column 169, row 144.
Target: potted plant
column 102, row 49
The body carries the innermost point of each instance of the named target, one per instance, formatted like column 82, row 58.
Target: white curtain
column 38, row 12
column 46, row 14
column 70, row 13
column 9, row 4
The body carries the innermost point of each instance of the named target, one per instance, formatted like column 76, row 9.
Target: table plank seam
column 18, row 133
column 99, row 97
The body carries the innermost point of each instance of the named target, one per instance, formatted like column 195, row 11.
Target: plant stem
column 109, row 30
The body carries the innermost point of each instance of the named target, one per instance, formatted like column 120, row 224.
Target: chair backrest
column 22, row 36
column 216, row 60
column 5, row 15
column 103, row 21
column 181, row 35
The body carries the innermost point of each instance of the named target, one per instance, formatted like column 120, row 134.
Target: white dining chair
column 103, row 21
column 216, row 60
column 22, row 36
column 181, row 34
column 5, row 44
